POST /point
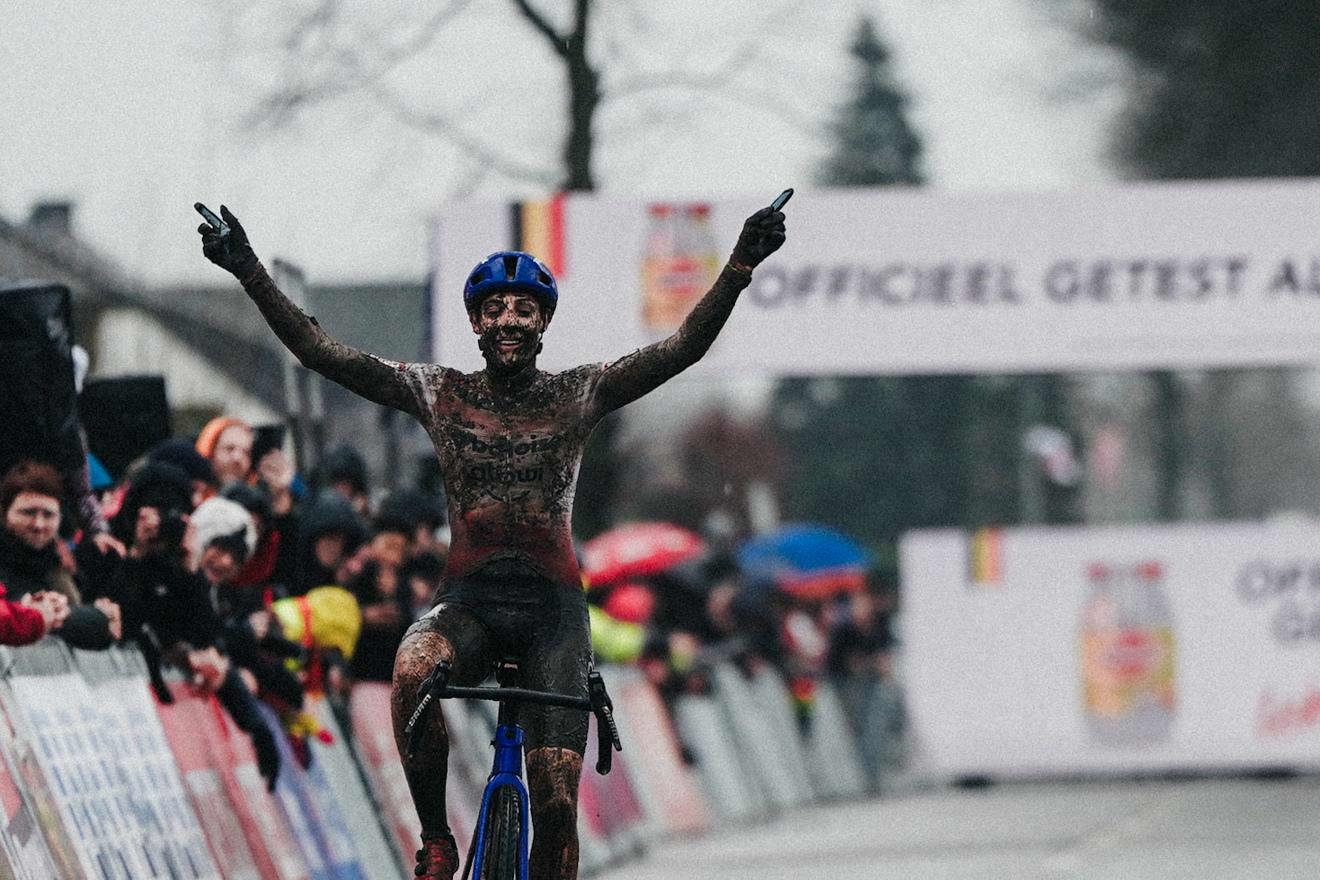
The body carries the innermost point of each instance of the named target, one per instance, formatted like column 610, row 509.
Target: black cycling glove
column 762, row 234
column 229, row 249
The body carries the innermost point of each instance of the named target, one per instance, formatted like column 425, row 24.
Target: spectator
column 424, row 512
column 163, row 604
column 330, row 534
column 167, row 608
column 860, row 637
column 223, row 536
column 256, row 582
column 421, row 577
column 227, row 443
column 30, row 564
column 25, row 622
column 186, row 458
column 386, row 609
column 275, row 477
column 345, row 473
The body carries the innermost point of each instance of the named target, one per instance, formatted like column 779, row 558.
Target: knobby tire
column 503, row 824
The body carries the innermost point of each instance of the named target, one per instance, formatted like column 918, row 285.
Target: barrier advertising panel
column 113, row 778
column 24, row 852
column 1114, row 649
column 1134, row 276
column 374, row 739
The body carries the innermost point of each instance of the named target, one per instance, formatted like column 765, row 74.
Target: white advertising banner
column 908, row 281
column 1113, row 649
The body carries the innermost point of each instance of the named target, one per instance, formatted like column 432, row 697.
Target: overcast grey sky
column 133, row 111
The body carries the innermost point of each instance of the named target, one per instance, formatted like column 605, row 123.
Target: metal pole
column 290, row 279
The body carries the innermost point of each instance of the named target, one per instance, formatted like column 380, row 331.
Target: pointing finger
column 228, row 217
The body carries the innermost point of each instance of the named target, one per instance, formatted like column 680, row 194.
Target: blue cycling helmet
column 511, row 270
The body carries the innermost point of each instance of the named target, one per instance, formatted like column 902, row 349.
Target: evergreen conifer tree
column 875, row 145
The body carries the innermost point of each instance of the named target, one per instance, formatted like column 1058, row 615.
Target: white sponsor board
column 1116, row 649
column 908, row 281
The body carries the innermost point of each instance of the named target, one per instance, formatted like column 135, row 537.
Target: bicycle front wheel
column 503, row 833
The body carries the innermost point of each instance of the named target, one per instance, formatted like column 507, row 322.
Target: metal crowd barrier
column 99, row 780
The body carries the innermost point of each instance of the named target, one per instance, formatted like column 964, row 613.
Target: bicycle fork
column 506, row 773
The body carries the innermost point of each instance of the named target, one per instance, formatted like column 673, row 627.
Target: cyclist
column 509, row 439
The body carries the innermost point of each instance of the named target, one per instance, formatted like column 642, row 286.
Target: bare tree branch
column 719, row 83
column 351, row 73
column 455, row 134
column 557, row 40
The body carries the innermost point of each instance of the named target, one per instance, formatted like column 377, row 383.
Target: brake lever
column 607, row 732
column 430, row 686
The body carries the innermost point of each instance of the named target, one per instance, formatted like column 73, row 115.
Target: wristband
column 251, row 275
column 739, row 267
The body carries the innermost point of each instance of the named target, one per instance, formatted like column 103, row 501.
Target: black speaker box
column 38, row 404
column 124, row 418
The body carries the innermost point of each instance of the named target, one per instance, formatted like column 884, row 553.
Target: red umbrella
column 636, row 550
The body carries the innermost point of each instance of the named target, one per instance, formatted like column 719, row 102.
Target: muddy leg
column 552, row 776
column 427, row 770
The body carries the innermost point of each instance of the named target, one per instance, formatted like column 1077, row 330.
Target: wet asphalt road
column 1207, row 829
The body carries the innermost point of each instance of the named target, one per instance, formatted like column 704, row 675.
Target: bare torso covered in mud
column 509, row 449
column 509, row 440
column 509, row 458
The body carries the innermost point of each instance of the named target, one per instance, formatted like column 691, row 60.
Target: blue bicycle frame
column 507, row 769
column 507, row 772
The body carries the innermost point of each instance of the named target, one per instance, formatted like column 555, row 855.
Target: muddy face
column 509, row 327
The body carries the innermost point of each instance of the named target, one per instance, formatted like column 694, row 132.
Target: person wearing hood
column 425, row 513
column 30, row 564
column 222, row 538
column 330, row 533
column 345, row 472
column 185, row 457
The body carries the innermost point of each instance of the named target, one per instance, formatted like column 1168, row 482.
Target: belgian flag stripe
column 538, row 229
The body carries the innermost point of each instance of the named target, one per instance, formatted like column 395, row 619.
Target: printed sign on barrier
column 19, row 744
column 25, row 856
column 186, row 727
column 373, row 732
column 306, row 791
column 730, row 787
column 378, row 860
column 114, row 781
column 663, row 784
column 1114, row 649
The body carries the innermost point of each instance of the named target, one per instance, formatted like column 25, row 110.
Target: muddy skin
column 552, row 779
column 427, row 772
column 509, row 439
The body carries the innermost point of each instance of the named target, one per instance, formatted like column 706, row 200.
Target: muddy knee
column 415, row 660
column 552, row 775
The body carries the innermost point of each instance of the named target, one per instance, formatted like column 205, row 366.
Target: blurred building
column 213, row 347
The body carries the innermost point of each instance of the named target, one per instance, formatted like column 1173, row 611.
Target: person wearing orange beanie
column 227, row 443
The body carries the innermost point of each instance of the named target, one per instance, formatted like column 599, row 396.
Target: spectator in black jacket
column 329, row 534
column 167, row 607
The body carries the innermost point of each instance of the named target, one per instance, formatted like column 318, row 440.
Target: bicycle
column 500, row 845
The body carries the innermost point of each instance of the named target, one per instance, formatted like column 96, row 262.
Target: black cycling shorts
column 506, row 612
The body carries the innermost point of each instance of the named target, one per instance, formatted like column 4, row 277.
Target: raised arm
column 378, row 380
column 646, row 369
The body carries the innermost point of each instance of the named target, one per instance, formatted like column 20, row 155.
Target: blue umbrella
column 100, row 477
column 806, row 561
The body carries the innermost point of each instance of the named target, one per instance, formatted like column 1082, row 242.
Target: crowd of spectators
column 237, row 577
column 682, row 622
column 233, row 575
